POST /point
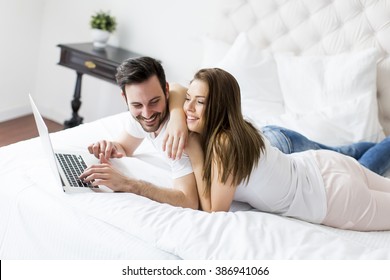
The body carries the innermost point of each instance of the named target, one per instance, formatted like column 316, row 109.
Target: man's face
column 148, row 103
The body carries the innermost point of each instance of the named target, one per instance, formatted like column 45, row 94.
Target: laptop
column 66, row 165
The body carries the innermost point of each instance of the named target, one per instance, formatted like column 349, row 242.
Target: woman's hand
column 176, row 135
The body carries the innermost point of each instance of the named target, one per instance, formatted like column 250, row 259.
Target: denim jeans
column 374, row 156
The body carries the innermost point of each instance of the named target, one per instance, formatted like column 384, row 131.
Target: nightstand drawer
column 100, row 63
column 88, row 64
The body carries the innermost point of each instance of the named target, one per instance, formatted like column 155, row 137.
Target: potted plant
column 102, row 24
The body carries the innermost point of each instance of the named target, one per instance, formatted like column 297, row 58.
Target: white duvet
column 38, row 220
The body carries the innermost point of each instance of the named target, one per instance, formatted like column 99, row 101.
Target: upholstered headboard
column 311, row 27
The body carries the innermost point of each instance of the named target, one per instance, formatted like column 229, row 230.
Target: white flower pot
column 100, row 38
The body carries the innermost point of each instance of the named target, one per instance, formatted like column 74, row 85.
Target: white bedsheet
column 39, row 221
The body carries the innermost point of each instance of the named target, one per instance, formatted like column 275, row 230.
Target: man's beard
column 158, row 119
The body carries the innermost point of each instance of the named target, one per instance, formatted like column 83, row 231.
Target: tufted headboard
column 310, row 27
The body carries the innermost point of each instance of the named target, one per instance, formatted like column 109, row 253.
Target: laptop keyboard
column 73, row 166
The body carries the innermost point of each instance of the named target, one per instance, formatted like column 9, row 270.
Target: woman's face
column 195, row 104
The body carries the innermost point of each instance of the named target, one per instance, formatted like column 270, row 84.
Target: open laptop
column 66, row 165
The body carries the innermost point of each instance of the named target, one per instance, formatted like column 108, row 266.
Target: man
column 146, row 92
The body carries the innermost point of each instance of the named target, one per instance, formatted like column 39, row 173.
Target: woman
column 232, row 161
column 371, row 155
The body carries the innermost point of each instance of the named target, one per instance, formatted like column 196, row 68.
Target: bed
column 319, row 67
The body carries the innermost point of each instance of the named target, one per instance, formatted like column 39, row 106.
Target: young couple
column 226, row 158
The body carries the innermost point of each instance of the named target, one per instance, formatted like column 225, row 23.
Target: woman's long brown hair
column 228, row 139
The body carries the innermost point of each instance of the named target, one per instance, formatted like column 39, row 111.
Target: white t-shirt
column 289, row 185
column 179, row 167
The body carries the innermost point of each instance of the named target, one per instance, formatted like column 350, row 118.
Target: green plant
column 104, row 21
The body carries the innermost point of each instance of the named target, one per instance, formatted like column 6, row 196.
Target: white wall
column 19, row 45
column 169, row 30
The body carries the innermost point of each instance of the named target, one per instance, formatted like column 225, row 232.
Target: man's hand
column 184, row 194
column 105, row 174
column 107, row 148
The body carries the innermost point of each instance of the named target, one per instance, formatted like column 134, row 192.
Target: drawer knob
column 89, row 64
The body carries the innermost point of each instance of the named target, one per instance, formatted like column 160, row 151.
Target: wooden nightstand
column 84, row 59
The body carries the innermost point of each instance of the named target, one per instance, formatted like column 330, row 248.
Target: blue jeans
column 374, row 156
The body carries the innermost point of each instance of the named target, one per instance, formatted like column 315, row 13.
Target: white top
column 289, row 185
column 179, row 167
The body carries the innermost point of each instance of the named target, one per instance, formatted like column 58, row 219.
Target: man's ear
column 124, row 96
column 167, row 90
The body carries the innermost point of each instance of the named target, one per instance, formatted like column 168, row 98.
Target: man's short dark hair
column 138, row 70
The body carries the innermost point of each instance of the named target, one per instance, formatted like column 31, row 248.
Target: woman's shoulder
column 223, row 139
column 193, row 142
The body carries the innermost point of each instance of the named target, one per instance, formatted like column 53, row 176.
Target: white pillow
column 331, row 99
column 311, row 82
column 344, row 123
column 257, row 76
column 213, row 51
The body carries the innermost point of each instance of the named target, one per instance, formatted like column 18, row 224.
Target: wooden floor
column 23, row 128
